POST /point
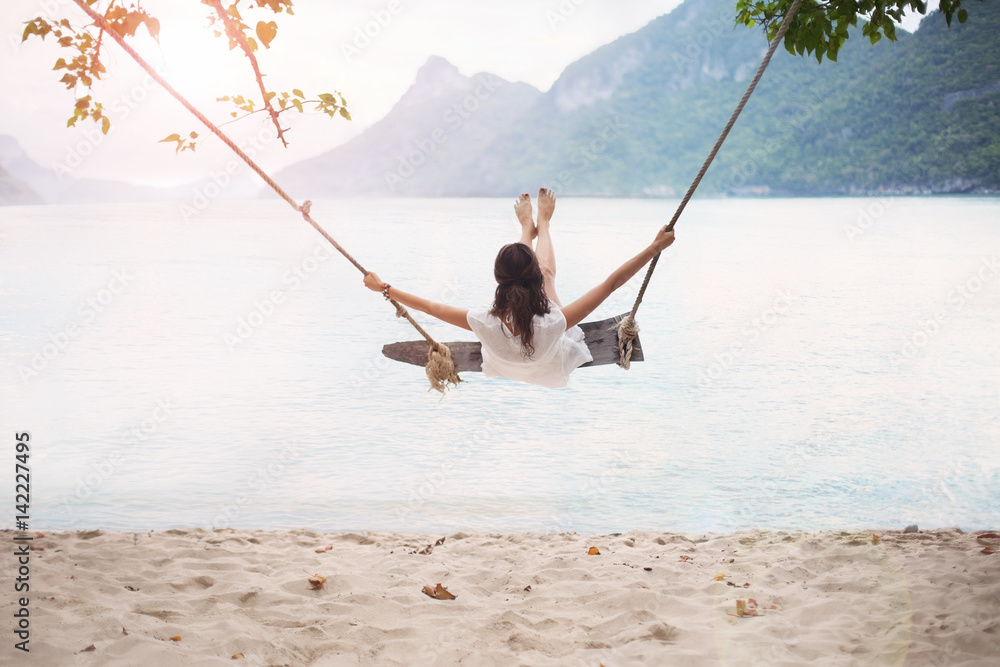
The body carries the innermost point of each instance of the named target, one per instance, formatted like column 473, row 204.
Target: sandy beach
column 198, row 597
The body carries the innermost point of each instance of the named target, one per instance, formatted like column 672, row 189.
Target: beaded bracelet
column 385, row 290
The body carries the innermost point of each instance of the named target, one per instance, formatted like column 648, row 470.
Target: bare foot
column 522, row 208
column 546, row 205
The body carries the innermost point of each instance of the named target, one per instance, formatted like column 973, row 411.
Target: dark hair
column 520, row 291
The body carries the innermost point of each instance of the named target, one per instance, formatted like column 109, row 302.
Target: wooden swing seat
column 601, row 337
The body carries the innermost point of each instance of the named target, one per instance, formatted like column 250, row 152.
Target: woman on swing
column 528, row 334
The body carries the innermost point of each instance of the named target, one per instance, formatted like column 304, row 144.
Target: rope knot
column 627, row 330
column 306, row 207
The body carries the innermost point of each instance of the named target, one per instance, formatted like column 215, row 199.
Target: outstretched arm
column 586, row 304
column 443, row 312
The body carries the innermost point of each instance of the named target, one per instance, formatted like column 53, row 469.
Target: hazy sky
column 321, row 48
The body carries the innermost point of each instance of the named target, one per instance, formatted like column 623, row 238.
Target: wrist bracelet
column 385, row 290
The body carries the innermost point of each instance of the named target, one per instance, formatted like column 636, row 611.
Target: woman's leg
column 545, row 252
column 522, row 208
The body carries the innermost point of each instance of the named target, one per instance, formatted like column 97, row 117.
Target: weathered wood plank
column 601, row 338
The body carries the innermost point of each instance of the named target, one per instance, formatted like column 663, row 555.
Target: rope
column 440, row 368
column 627, row 328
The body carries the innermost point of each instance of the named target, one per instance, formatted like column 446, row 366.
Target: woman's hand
column 663, row 239
column 373, row 282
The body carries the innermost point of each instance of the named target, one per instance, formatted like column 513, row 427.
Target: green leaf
column 298, row 93
column 345, row 113
column 297, row 105
column 963, row 15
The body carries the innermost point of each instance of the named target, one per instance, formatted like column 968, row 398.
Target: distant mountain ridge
column 16, row 192
column 40, row 185
column 424, row 143
column 638, row 116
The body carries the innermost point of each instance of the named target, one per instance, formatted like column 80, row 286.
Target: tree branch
column 237, row 35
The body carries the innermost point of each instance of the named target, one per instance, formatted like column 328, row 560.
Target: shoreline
column 919, row 598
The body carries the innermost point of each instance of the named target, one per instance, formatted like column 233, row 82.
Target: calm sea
column 811, row 364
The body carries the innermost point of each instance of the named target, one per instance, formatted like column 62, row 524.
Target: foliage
column 84, row 64
column 918, row 115
column 821, row 27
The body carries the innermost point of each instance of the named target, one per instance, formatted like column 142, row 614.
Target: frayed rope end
column 441, row 368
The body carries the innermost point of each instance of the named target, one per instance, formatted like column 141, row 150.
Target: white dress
column 558, row 351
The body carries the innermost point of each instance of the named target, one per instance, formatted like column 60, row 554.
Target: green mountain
column 918, row 115
column 639, row 115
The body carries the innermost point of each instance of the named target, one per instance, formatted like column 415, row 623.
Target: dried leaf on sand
column 593, row 551
column 317, row 581
column 429, row 548
column 439, row 592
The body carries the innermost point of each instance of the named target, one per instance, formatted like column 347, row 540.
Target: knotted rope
column 627, row 328
column 440, row 367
